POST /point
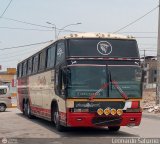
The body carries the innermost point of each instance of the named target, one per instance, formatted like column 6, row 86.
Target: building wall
column 4, row 77
column 150, row 70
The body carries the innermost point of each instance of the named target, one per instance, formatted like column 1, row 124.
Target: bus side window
column 29, row 71
column 42, row 60
column 35, row 64
column 51, row 57
column 60, row 57
column 24, row 68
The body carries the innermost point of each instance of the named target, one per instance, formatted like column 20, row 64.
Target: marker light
column 100, row 111
column 119, row 112
column 107, row 111
column 113, row 111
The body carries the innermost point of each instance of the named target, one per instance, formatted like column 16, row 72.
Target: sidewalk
column 151, row 115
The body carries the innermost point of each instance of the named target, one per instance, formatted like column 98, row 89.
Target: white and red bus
column 83, row 80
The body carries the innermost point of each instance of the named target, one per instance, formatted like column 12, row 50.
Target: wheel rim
column 56, row 117
column 28, row 109
column 2, row 107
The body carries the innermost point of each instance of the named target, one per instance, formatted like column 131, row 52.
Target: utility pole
column 158, row 61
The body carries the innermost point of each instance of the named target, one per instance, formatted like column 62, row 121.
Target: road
column 14, row 126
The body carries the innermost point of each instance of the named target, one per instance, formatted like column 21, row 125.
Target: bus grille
column 106, row 121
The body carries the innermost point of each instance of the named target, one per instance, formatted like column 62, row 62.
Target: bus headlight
column 100, row 111
column 113, row 111
column 119, row 112
column 107, row 111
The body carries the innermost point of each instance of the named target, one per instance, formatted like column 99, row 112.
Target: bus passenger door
column 60, row 92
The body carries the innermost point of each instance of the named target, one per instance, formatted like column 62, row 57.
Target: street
column 14, row 125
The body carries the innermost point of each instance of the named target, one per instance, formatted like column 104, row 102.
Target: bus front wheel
column 56, row 119
column 113, row 128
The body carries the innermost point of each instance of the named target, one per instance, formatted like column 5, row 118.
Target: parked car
column 5, row 98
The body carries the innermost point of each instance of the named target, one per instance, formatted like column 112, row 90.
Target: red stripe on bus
column 135, row 104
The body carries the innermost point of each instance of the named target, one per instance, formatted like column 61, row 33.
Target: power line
column 6, row 8
column 6, row 53
column 33, row 24
column 28, row 23
column 18, row 53
column 137, row 19
column 25, row 45
column 13, row 57
column 23, row 29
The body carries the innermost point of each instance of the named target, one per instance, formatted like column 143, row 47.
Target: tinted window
column 3, row 91
column 60, row 53
column 20, row 70
column 24, row 68
column 103, row 48
column 51, row 57
column 29, row 66
column 42, row 60
column 35, row 64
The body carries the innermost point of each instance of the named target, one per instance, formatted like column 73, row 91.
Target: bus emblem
column 104, row 47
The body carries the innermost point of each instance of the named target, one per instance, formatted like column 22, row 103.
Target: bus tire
column 24, row 108
column 114, row 128
column 28, row 111
column 2, row 107
column 56, row 119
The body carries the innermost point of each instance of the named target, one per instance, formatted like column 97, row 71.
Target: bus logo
column 104, row 47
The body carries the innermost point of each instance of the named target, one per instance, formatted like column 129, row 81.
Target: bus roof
column 97, row 35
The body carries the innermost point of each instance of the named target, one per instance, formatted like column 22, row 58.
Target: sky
column 95, row 16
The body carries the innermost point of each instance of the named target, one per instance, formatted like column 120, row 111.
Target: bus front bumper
column 93, row 120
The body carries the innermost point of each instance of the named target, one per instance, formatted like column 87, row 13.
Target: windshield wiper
column 118, row 88
column 101, row 89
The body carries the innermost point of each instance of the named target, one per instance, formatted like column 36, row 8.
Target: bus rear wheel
column 114, row 128
column 28, row 111
column 56, row 120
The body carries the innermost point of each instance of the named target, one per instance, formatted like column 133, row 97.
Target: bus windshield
column 84, row 81
column 128, row 78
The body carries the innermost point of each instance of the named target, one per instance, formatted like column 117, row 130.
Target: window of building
column 155, row 79
column 42, row 60
column 51, row 57
column 35, row 63
column 60, row 53
column 29, row 71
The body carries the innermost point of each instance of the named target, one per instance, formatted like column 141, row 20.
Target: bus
column 83, row 80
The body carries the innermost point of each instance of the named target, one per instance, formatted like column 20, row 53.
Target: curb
column 150, row 116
